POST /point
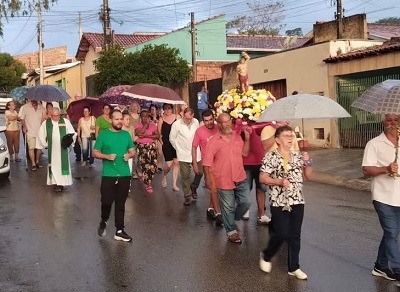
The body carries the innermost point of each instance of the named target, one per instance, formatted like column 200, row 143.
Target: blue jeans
column 234, row 203
column 200, row 112
column 388, row 253
column 87, row 147
column 77, row 147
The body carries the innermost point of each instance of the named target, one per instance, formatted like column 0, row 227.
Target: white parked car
column 4, row 98
column 4, row 157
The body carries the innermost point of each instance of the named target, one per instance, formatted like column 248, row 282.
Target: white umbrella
column 303, row 106
column 382, row 98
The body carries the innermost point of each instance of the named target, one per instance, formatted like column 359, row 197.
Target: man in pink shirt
column 223, row 165
column 201, row 138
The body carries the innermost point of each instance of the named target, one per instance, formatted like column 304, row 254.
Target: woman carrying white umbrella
column 283, row 171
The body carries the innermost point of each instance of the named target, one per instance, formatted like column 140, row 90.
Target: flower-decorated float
column 245, row 106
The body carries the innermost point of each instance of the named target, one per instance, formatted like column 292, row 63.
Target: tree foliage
column 296, row 31
column 389, row 20
column 11, row 72
column 153, row 64
column 265, row 17
column 13, row 8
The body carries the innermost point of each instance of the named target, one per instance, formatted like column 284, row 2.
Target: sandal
column 235, row 238
column 164, row 182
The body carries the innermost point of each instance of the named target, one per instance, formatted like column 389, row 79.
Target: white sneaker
column 299, row 274
column 265, row 266
column 246, row 215
column 263, row 220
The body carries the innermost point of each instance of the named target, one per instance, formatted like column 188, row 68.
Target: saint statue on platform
column 241, row 70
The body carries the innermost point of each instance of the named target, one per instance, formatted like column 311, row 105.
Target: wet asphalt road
column 49, row 241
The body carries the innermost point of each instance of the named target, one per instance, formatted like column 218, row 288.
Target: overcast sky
column 129, row 16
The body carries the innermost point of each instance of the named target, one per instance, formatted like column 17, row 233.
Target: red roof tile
column 382, row 30
column 95, row 40
column 262, row 42
column 392, row 45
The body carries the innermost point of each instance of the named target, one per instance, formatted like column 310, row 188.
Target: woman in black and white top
column 283, row 171
column 86, row 135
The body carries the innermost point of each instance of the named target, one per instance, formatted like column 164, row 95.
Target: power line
column 17, row 37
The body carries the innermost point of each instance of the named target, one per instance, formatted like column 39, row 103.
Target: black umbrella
column 47, row 93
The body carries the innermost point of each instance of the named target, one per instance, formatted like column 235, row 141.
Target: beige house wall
column 72, row 80
column 88, row 67
column 304, row 71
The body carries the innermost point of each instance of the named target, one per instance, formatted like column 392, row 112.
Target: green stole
column 64, row 152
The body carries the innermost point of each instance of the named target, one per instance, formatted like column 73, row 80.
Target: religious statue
column 241, row 70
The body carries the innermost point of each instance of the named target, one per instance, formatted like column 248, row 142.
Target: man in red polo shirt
column 223, row 165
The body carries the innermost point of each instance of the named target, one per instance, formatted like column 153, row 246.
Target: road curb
column 351, row 183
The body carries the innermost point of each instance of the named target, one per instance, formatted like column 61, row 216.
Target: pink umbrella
column 153, row 93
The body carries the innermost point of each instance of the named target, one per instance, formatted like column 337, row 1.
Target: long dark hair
column 8, row 104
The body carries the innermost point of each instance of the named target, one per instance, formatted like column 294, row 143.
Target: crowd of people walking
column 233, row 156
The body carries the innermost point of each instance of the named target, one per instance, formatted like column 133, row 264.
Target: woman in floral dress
column 147, row 134
column 283, row 171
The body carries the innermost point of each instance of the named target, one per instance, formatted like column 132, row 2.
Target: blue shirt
column 202, row 99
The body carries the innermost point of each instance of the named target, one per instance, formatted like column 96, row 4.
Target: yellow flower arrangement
column 244, row 105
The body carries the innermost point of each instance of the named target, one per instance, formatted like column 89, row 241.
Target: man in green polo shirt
column 115, row 147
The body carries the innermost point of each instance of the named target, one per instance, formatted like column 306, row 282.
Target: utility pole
column 339, row 19
column 106, row 25
column 40, row 41
column 80, row 26
column 193, row 34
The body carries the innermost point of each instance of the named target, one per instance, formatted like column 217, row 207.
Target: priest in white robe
column 51, row 133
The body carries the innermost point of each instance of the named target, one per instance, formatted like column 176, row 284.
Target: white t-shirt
column 381, row 152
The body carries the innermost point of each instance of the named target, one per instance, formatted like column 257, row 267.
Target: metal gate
column 356, row 131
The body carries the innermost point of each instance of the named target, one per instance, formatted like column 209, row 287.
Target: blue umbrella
column 47, row 93
column 18, row 93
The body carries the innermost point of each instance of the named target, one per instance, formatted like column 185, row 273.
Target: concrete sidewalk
column 341, row 167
